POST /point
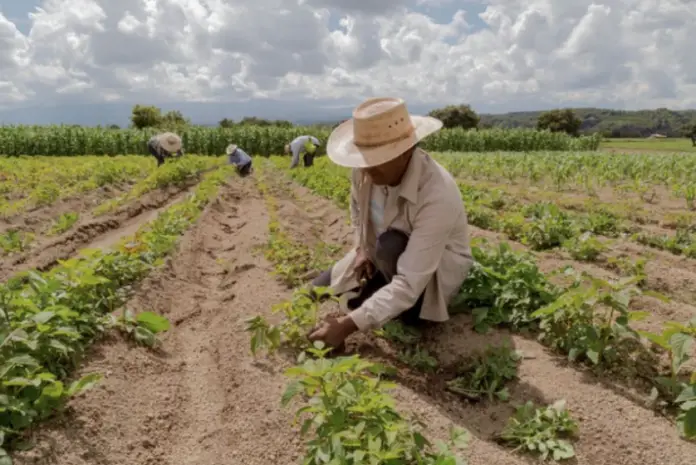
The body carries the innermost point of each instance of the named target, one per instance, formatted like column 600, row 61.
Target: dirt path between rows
column 205, row 400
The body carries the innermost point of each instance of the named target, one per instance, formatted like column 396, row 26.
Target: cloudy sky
column 498, row 55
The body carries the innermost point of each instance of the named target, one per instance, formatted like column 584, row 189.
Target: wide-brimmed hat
column 170, row 142
column 230, row 149
column 381, row 129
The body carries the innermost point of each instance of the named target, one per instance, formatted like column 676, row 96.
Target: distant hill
column 611, row 123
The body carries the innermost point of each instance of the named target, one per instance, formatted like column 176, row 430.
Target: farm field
column 648, row 145
column 590, row 366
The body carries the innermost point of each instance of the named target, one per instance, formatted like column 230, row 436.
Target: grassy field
column 649, row 145
column 572, row 338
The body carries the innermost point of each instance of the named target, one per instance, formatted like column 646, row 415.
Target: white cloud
column 630, row 53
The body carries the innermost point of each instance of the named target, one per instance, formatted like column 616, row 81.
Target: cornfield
column 259, row 140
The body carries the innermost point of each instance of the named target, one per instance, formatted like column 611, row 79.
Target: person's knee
column 390, row 245
column 323, row 280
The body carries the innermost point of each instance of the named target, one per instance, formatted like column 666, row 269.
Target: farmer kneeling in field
column 240, row 159
column 411, row 246
column 164, row 146
column 302, row 145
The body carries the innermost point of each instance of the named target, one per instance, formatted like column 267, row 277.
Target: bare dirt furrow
column 93, row 232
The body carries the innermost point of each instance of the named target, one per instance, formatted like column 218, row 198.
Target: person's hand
column 363, row 267
column 333, row 331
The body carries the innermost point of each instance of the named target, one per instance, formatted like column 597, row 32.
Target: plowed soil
column 93, row 231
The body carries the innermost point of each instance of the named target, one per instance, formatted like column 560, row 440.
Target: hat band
column 399, row 138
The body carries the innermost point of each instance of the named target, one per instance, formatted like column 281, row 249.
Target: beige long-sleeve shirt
column 427, row 205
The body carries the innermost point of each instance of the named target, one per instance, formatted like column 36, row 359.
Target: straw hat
column 230, row 149
column 380, row 131
column 170, row 142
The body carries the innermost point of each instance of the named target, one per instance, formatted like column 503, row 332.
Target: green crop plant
column 542, row 431
column 486, row 375
column 349, row 417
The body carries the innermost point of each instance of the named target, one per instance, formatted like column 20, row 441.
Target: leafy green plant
column 589, row 320
column 352, row 420
column 15, row 241
column 678, row 340
column 486, row 375
column 397, row 332
column 630, row 267
column 504, row 288
column 585, row 247
column 143, row 327
column 543, row 431
column 300, row 315
column 550, row 227
column 63, row 223
column 418, row 358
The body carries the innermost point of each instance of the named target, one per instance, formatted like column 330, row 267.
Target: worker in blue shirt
column 240, row 159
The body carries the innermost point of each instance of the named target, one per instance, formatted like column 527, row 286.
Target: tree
column 226, row 123
column 560, row 121
column 145, row 116
column 175, row 118
column 456, row 116
column 689, row 131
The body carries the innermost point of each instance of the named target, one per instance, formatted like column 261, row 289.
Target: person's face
column 390, row 173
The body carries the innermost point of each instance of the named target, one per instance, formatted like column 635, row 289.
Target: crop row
column 29, row 182
column 585, row 171
column 259, row 140
column 540, row 225
column 50, row 318
column 589, row 320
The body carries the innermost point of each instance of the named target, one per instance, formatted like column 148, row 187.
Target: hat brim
column 342, row 150
column 166, row 145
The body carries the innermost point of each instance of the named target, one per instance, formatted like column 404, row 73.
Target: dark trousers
column 308, row 159
column 155, row 153
column 390, row 245
column 244, row 170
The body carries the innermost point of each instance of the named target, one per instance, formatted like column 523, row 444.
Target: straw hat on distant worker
column 170, row 142
column 230, row 149
column 381, row 130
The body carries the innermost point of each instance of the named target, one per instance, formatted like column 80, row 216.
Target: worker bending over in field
column 240, row 159
column 302, row 145
column 411, row 245
column 165, row 145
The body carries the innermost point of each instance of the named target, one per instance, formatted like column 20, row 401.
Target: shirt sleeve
column 295, row 155
column 416, row 265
